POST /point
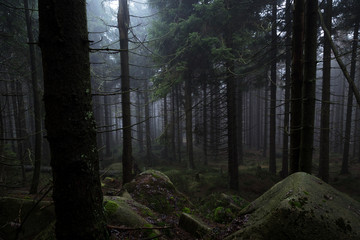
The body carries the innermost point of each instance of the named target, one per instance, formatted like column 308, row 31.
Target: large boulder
column 301, row 207
column 155, row 190
column 23, row 218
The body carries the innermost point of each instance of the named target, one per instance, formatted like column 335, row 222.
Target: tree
column 71, row 129
column 188, row 122
column 37, row 102
column 123, row 25
column 325, row 101
column 285, row 153
column 296, row 84
column 344, row 166
column 272, row 142
column 309, row 86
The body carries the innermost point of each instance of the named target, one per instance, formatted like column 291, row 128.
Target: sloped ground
column 150, row 207
column 301, row 207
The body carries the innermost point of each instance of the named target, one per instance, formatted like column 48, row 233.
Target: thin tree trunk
column 123, row 25
column 178, row 124
column 205, row 122
column 70, row 124
column 266, row 110
column 139, row 125
column 149, row 157
column 37, row 103
column 188, row 120
column 239, row 120
column 309, row 86
column 285, row 153
column 325, row 101
column 18, row 114
column 345, row 162
column 272, row 155
column 173, row 133
column 166, row 137
column 296, row 85
column 107, row 116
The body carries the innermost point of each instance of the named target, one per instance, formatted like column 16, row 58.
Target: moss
column 193, row 225
column 223, row 215
column 155, row 190
column 294, row 209
column 111, row 207
column 186, row 210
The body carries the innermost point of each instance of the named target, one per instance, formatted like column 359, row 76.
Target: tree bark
column 166, row 135
column 345, row 162
column 205, row 116
column 296, row 85
column 149, row 157
column 272, row 155
column 285, row 153
column 309, row 86
column 71, row 129
column 123, row 25
column 139, row 126
column 188, row 121
column 325, row 101
column 37, row 103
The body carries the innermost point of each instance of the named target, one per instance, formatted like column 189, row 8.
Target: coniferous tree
column 325, row 101
column 272, row 142
column 123, row 26
column 71, row 129
column 309, row 86
column 296, row 85
column 37, row 103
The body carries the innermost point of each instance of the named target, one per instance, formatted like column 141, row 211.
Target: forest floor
column 204, row 184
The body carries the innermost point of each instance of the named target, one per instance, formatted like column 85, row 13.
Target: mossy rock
column 155, row 190
column 13, row 212
column 193, row 225
column 221, row 207
column 123, row 211
column 301, row 207
column 119, row 211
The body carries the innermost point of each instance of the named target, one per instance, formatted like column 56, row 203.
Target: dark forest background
column 211, row 83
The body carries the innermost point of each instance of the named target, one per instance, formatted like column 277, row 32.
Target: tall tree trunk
column 139, row 126
column 173, row 133
column 296, row 85
column 19, row 128
column 309, row 86
column 205, row 116
column 345, row 162
column 149, row 157
column 166, row 137
column 285, row 153
column 239, row 125
column 272, row 155
column 266, row 110
column 178, row 123
column 37, row 103
column 71, row 129
column 325, row 101
column 188, row 120
column 107, row 116
column 123, row 25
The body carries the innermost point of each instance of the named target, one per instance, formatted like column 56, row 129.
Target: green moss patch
column 301, row 207
column 155, row 190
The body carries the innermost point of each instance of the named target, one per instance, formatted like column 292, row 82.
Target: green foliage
column 111, row 207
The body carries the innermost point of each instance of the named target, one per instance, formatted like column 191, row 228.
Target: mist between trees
column 188, row 83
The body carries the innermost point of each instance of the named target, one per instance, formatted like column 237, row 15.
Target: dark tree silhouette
column 71, row 129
